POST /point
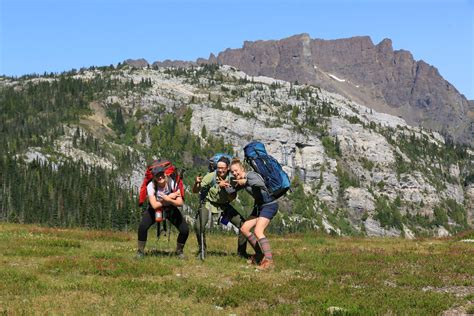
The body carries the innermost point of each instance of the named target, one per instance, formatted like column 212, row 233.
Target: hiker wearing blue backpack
column 215, row 196
column 265, row 208
column 265, row 184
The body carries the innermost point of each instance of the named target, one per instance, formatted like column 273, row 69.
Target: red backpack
column 170, row 171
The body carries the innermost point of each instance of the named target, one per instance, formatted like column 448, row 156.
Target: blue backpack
column 276, row 180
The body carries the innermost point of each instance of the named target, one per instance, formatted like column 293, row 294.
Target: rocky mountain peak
column 372, row 75
column 385, row 46
column 136, row 63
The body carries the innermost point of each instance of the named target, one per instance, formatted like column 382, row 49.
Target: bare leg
column 260, row 226
column 247, row 226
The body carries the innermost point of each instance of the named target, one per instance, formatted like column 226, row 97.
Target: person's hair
column 237, row 161
column 224, row 160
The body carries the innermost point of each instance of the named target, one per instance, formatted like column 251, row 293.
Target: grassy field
column 73, row 271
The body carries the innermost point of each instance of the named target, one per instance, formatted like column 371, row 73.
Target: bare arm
column 197, row 184
column 154, row 202
column 173, row 199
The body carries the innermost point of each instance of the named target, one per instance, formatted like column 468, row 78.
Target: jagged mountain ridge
column 377, row 76
column 351, row 159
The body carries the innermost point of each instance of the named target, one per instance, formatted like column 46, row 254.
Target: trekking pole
column 201, row 235
column 168, row 229
column 202, row 197
column 176, row 188
column 158, row 230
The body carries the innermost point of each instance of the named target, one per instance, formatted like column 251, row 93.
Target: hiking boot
column 255, row 259
column 266, row 264
column 201, row 255
column 140, row 249
column 201, row 245
column 179, row 251
column 242, row 247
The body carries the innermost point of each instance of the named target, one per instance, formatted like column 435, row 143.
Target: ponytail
column 237, row 161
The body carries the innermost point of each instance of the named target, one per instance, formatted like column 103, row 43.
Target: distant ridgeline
column 74, row 147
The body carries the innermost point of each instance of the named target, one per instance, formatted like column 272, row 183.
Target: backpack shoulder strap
column 214, row 179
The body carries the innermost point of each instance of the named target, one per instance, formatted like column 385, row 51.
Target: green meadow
column 76, row 271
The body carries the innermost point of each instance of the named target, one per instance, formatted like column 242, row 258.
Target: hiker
column 265, row 208
column 215, row 200
column 162, row 196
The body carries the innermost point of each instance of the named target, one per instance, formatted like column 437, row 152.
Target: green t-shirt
column 215, row 194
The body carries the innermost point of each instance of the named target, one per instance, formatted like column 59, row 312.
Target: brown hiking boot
column 266, row 264
column 252, row 260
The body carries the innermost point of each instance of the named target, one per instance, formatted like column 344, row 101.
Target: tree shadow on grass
column 168, row 253
column 216, row 253
column 161, row 253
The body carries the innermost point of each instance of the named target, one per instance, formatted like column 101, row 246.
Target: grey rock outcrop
column 136, row 63
column 373, row 229
column 173, row 63
column 470, row 202
column 359, row 201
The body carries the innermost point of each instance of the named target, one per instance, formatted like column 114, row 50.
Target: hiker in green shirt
column 215, row 200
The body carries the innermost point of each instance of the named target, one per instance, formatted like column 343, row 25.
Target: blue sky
column 52, row 35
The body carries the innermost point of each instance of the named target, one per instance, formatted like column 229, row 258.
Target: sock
column 265, row 246
column 254, row 243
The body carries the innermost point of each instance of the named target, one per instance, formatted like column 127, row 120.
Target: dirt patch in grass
column 458, row 291
column 457, row 310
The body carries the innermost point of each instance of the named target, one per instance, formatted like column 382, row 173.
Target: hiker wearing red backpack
column 215, row 200
column 164, row 197
column 265, row 208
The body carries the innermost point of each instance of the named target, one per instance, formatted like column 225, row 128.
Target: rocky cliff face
column 376, row 76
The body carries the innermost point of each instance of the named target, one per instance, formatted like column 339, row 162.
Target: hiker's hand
column 197, row 184
column 241, row 181
column 163, row 197
column 223, row 184
column 174, row 195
